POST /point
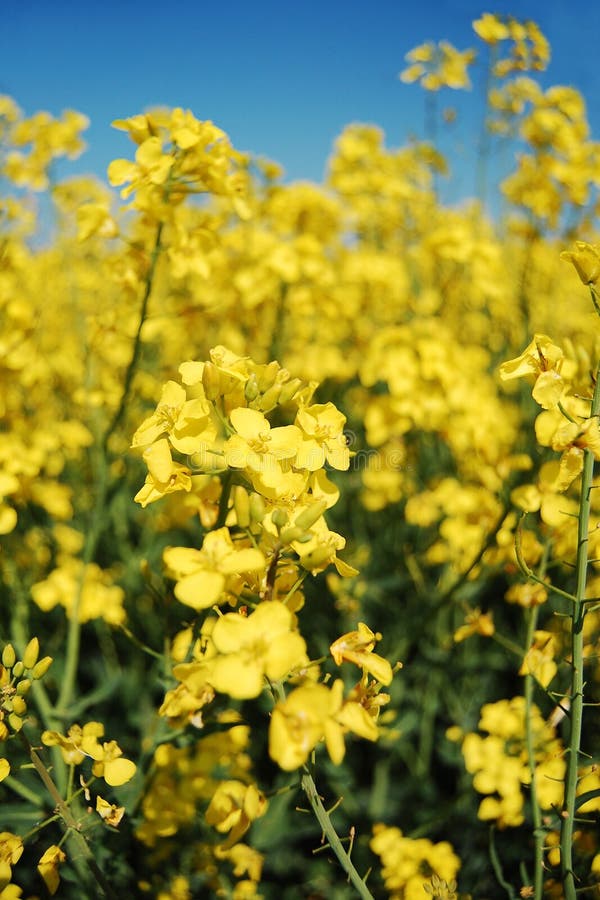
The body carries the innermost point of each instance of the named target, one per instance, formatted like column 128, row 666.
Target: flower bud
column 9, row 656
column 211, row 381
column 251, row 390
column 19, row 705
column 41, row 667
column 266, row 378
column 18, row 669
column 293, row 533
column 23, row 686
column 279, row 518
column 257, row 507
column 270, row 398
column 310, row 515
column 32, row 651
column 15, row 721
column 288, row 391
column 241, row 504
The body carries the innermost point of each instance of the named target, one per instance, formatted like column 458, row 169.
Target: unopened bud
column 9, row 656
column 23, row 686
column 251, row 390
column 289, row 390
column 266, row 378
column 41, row 667
column 257, row 507
column 310, row 515
column 15, row 721
column 279, row 518
column 270, row 398
column 241, row 504
column 19, row 705
column 293, row 533
column 18, row 669
column 32, row 651
column 211, row 381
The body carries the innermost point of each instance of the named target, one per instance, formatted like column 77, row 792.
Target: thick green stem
column 577, row 683
column 310, row 789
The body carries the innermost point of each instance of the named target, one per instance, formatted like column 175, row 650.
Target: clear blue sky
column 282, row 78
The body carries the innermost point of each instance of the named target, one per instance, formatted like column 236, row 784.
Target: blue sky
column 281, row 78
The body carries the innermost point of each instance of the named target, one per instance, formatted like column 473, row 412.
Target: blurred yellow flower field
column 298, row 505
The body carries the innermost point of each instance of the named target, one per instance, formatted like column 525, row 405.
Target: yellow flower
column 79, row 743
column 108, row 812
column 203, row 575
column 11, row 849
column 543, row 359
column 323, row 438
column 586, row 260
column 257, row 446
column 490, row 28
column 264, row 644
column 48, row 867
column 539, row 659
column 357, row 647
column 233, row 808
column 188, row 423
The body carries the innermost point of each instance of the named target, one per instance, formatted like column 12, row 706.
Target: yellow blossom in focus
column 357, row 647
column 543, row 359
column 202, row 575
column 109, row 812
column 264, row 644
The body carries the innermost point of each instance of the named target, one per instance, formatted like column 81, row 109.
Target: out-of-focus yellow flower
column 476, row 622
column 490, row 28
column 48, row 867
column 539, row 659
column 233, row 808
column 438, row 65
column 586, row 260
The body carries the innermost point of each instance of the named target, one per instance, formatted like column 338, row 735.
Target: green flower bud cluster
column 16, row 678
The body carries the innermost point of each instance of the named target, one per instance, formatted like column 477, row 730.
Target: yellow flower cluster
column 500, row 766
column 409, row 865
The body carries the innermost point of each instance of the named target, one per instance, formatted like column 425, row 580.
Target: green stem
column 538, row 831
column 577, row 683
column 310, row 789
column 76, row 838
column 97, row 523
